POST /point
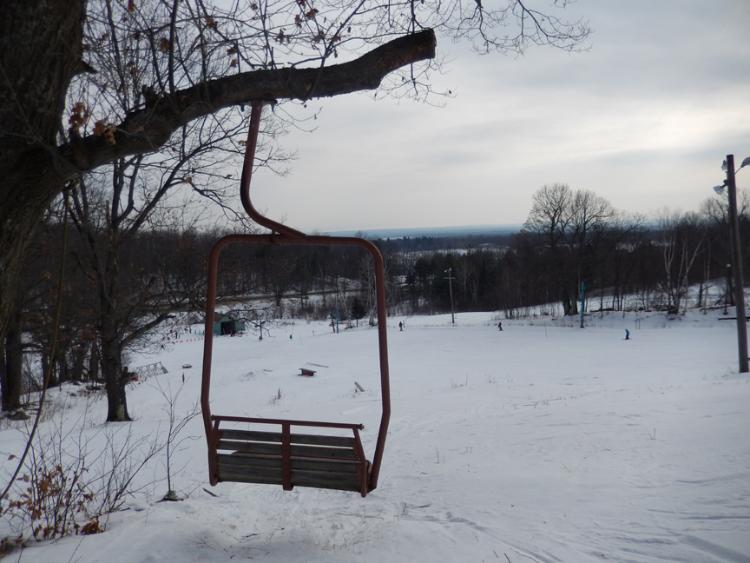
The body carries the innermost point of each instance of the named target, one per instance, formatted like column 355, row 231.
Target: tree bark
column 40, row 52
column 12, row 369
column 94, row 362
column 111, row 345
column 79, row 357
column 114, row 380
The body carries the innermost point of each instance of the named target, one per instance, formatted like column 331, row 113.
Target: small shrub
column 64, row 490
column 91, row 527
column 52, row 500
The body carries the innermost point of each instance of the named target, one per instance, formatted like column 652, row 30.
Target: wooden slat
column 347, row 482
column 261, row 472
column 249, row 462
column 286, row 455
column 323, row 452
column 320, row 472
column 250, row 435
column 250, row 447
column 297, row 451
column 239, row 459
column 323, row 480
column 241, row 477
column 279, row 421
column 312, row 439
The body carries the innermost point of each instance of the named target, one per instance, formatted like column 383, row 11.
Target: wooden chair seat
column 328, row 462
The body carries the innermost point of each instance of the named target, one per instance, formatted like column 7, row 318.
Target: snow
column 538, row 443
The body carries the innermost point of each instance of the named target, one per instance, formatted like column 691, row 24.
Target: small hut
column 226, row 324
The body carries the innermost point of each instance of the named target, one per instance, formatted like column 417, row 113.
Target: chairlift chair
column 289, row 452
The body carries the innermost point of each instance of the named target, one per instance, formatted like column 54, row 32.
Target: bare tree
column 176, row 424
column 110, row 207
column 549, row 221
column 549, row 216
column 569, row 224
column 193, row 58
column 683, row 237
column 588, row 214
column 718, row 245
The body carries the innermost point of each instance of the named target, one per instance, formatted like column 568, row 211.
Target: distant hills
column 433, row 232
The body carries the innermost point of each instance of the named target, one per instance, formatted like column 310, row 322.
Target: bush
column 64, row 489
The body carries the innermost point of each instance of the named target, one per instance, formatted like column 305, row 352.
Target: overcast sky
column 644, row 118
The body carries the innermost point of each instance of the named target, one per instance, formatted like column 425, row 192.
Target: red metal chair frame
column 283, row 235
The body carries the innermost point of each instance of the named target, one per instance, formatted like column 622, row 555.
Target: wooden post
column 286, row 456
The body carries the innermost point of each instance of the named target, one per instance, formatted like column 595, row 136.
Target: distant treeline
column 443, row 243
column 574, row 245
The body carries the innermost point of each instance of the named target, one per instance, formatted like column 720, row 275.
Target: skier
column 500, row 326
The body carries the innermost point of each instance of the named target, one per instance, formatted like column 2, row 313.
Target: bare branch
column 145, row 130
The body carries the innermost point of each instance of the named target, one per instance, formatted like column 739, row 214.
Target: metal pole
column 450, row 279
column 739, row 285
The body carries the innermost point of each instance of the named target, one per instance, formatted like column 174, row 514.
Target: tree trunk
column 94, row 362
column 79, row 357
column 50, row 368
column 3, row 370
column 111, row 344
column 114, row 380
column 40, row 52
column 12, row 364
column 570, row 304
column 60, row 371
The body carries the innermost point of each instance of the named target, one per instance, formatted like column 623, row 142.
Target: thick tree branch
column 146, row 129
column 143, row 329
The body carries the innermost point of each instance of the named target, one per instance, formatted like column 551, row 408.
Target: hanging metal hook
column 247, row 175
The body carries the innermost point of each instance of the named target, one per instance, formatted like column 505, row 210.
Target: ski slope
column 539, row 443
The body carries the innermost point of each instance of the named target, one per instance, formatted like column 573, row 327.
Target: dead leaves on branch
column 106, row 130
column 78, row 117
column 53, row 500
column 165, row 45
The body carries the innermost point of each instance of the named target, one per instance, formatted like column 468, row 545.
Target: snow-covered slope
column 537, row 443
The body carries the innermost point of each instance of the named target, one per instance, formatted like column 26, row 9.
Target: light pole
column 450, row 279
column 734, row 238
